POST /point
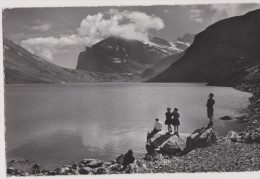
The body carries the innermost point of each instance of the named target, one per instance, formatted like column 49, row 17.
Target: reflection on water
column 58, row 124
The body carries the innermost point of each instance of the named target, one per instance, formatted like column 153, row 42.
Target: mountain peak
column 220, row 53
column 160, row 41
column 117, row 55
column 186, row 38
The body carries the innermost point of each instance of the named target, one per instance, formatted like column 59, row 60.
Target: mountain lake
column 65, row 123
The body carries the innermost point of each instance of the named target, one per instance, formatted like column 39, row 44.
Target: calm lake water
column 62, row 124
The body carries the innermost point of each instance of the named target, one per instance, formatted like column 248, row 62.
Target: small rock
column 233, row 136
column 75, row 171
column 86, row 170
column 95, row 164
column 113, row 162
column 45, row 172
column 108, row 163
column 149, row 157
column 74, row 166
column 81, row 165
column 69, row 166
column 226, row 118
column 64, row 170
column 10, row 170
column 136, row 167
column 86, row 161
column 36, row 166
column 17, row 172
column 115, row 167
column 24, row 173
column 102, row 170
column 52, row 173
column 13, row 161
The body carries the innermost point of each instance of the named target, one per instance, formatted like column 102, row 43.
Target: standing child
column 176, row 121
column 168, row 120
column 210, row 109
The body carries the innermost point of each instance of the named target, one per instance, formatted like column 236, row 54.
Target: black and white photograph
column 131, row 89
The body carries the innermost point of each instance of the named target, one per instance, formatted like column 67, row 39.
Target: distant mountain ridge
column 116, row 55
column 23, row 67
column 181, row 43
column 220, row 54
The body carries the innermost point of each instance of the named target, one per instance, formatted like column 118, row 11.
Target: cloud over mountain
column 48, row 46
column 132, row 25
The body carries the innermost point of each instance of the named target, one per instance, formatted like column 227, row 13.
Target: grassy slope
column 22, row 66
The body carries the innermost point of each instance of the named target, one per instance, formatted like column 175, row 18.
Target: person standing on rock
column 157, row 128
column 168, row 120
column 175, row 120
column 128, row 159
column 210, row 109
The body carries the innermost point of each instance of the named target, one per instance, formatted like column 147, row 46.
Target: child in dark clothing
column 175, row 120
column 168, row 120
column 128, row 159
column 210, row 110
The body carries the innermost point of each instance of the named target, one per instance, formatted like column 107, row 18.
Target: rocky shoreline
column 203, row 151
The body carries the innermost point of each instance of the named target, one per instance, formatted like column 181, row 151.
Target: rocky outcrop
column 244, row 136
column 181, row 144
column 221, row 54
column 250, row 83
column 85, row 167
column 200, row 138
column 185, row 41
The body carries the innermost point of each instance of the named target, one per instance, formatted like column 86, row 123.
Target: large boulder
column 181, row 144
column 200, row 138
column 175, row 144
column 167, row 144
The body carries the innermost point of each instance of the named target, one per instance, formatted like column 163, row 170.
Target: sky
column 59, row 34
